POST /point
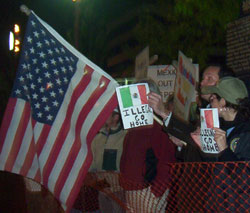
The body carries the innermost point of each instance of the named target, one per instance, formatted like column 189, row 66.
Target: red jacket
column 132, row 164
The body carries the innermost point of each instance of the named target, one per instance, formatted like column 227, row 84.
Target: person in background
column 210, row 77
column 230, row 97
column 106, row 149
column 144, row 168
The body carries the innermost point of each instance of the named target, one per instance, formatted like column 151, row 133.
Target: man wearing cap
column 230, row 97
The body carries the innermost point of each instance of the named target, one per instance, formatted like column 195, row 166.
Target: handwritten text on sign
column 133, row 104
column 209, row 119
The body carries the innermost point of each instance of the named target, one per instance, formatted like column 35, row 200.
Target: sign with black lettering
column 164, row 77
column 133, row 104
column 209, row 119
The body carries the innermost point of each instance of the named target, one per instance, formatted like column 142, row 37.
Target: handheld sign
column 209, row 119
column 133, row 103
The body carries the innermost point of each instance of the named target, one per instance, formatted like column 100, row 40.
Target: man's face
column 210, row 78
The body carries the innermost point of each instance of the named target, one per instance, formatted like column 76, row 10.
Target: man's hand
column 196, row 136
column 156, row 103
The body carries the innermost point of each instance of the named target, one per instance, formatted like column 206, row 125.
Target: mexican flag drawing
column 133, row 104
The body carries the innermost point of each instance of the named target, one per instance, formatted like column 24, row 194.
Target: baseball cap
column 229, row 88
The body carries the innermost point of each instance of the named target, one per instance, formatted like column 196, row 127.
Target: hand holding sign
column 220, row 138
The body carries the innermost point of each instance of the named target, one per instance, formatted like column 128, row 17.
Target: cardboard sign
column 185, row 88
column 133, row 104
column 164, row 77
column 209, row 119
column 141, row 63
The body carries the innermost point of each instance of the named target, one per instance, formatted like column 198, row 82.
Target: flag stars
column 37, row 106
column 60, row 91
column 36, row 34
column 53, row 41
column 50, row 52
column 71, row 68
column 49, row 85
column 33, row 23
column 49, row 117
column 52, row 61
column 46, row 42
column 62, row 50
column 29, row 76
column 32, row 86
column 39, row 80
column 63, row 69
column 24, row 66
column 18, row 92
column 37, row 70
column 55, row 103
column 57, row 50
column 21, row 78
column 56, row 72
column 53, row 94
column 39, row 44
column 65, row 80
column 42, row 89
column 39, row 114
column 46, row 108
column 58, row 81
column 60, row 59
column 41, row 54
column 34, row 61
column 44, row 65
column 25, row 87
column 43, row 32
column 44, row 99
column 29, row 39
column 32, row 50
column 47, row 74
column 35, row 96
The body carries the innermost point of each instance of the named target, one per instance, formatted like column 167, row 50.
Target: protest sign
column 209, row 119
column 164, row 76
column 185, row 92
column 133, row 103
column 141, row 63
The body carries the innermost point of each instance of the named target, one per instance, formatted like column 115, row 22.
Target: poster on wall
column 164, row 76
column 133, row 104
column 185, row 89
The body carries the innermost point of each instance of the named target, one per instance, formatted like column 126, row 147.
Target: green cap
column 229, row 88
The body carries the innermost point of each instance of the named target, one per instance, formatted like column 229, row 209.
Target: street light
column 14, row 39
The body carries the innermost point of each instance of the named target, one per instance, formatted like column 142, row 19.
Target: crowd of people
column 141, row 154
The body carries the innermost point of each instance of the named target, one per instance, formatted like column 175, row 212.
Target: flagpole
column 25, row 9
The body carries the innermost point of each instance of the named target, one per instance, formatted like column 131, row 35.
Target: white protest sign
column 133, row 103
column 164, row 77
column 209, row 119
column 141, row 63
column 185, row 87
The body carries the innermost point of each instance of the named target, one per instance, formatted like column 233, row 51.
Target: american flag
column 59, row 102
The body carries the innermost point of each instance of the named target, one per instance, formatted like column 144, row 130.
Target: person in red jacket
column 146, row 188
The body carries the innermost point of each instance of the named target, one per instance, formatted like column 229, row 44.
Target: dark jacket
column 238, row 142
